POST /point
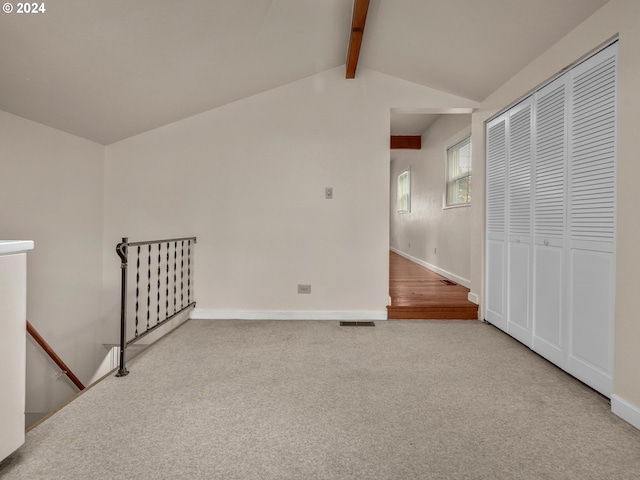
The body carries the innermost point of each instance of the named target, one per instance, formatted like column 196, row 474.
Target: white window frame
column 460, row 140
column 404, row 191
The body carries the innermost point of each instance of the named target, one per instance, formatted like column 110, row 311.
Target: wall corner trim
column 214, row 314
column 627, row 411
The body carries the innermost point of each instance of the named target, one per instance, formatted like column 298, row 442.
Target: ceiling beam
column 408, row 142
column 360, row 8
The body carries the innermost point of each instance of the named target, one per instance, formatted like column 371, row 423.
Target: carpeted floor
column 313, row 400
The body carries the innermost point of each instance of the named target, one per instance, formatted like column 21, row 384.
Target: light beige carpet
column 313, row 400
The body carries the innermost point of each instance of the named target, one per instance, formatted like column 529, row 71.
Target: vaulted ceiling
column 107, row 70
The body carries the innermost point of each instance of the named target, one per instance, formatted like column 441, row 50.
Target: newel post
column 121, row 250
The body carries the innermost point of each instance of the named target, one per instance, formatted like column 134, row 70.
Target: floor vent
column 357, row 324
column 448, row 282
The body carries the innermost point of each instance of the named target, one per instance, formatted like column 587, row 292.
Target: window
column 459, row 174
column 404, row 192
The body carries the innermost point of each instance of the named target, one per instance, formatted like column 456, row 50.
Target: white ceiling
column 411, row 123
column 107, row 70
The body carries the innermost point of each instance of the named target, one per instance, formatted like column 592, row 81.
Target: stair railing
column 168, row 283
column 54, row 356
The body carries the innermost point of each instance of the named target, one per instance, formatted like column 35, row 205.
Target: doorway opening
column 430, row 241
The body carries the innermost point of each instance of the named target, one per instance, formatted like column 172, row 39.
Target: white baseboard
column 473, row 298
column 625, row 410
column 213, row 314
column 451, row 276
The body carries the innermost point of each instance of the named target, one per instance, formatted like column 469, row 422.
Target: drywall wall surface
column 406, row 233
column 437, row 236
column 51, row 193
column 621, row 18
column 248, row 179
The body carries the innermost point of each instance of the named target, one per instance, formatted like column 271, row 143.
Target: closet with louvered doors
column 550, row 258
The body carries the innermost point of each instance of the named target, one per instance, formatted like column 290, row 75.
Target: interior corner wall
column 436, row 237
column 51, row 193
column 621, row 18
column 248, row 179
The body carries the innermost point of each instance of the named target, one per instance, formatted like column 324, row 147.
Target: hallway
column 420, row 294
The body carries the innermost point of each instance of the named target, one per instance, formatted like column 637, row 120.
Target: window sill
column 461, row 205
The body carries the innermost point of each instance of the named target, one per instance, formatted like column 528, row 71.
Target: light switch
column 328, row 193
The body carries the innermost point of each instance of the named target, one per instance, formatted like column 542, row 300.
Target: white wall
column 248, row 179
column 51, row 192
column 616, row 17
column 438, row 238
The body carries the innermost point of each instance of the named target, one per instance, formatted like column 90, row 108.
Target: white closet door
column 496, row 221
column 519, row 254
column 549, row 326
column 592, row 191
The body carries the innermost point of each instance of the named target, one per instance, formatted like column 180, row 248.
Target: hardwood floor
column 419, row 293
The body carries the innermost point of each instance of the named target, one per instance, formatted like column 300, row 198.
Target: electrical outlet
column 328, row 193
column 435, row 250
column 409, row 244
column 304, row 288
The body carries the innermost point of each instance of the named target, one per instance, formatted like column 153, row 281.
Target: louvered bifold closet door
column 592, row 191
column 496, row 221
column 549, row 258
column 519, row 252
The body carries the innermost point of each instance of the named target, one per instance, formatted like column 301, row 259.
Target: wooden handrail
column 47, row 348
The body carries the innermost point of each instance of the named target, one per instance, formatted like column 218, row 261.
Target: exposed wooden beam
column 360, row 8
column 411, row 142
